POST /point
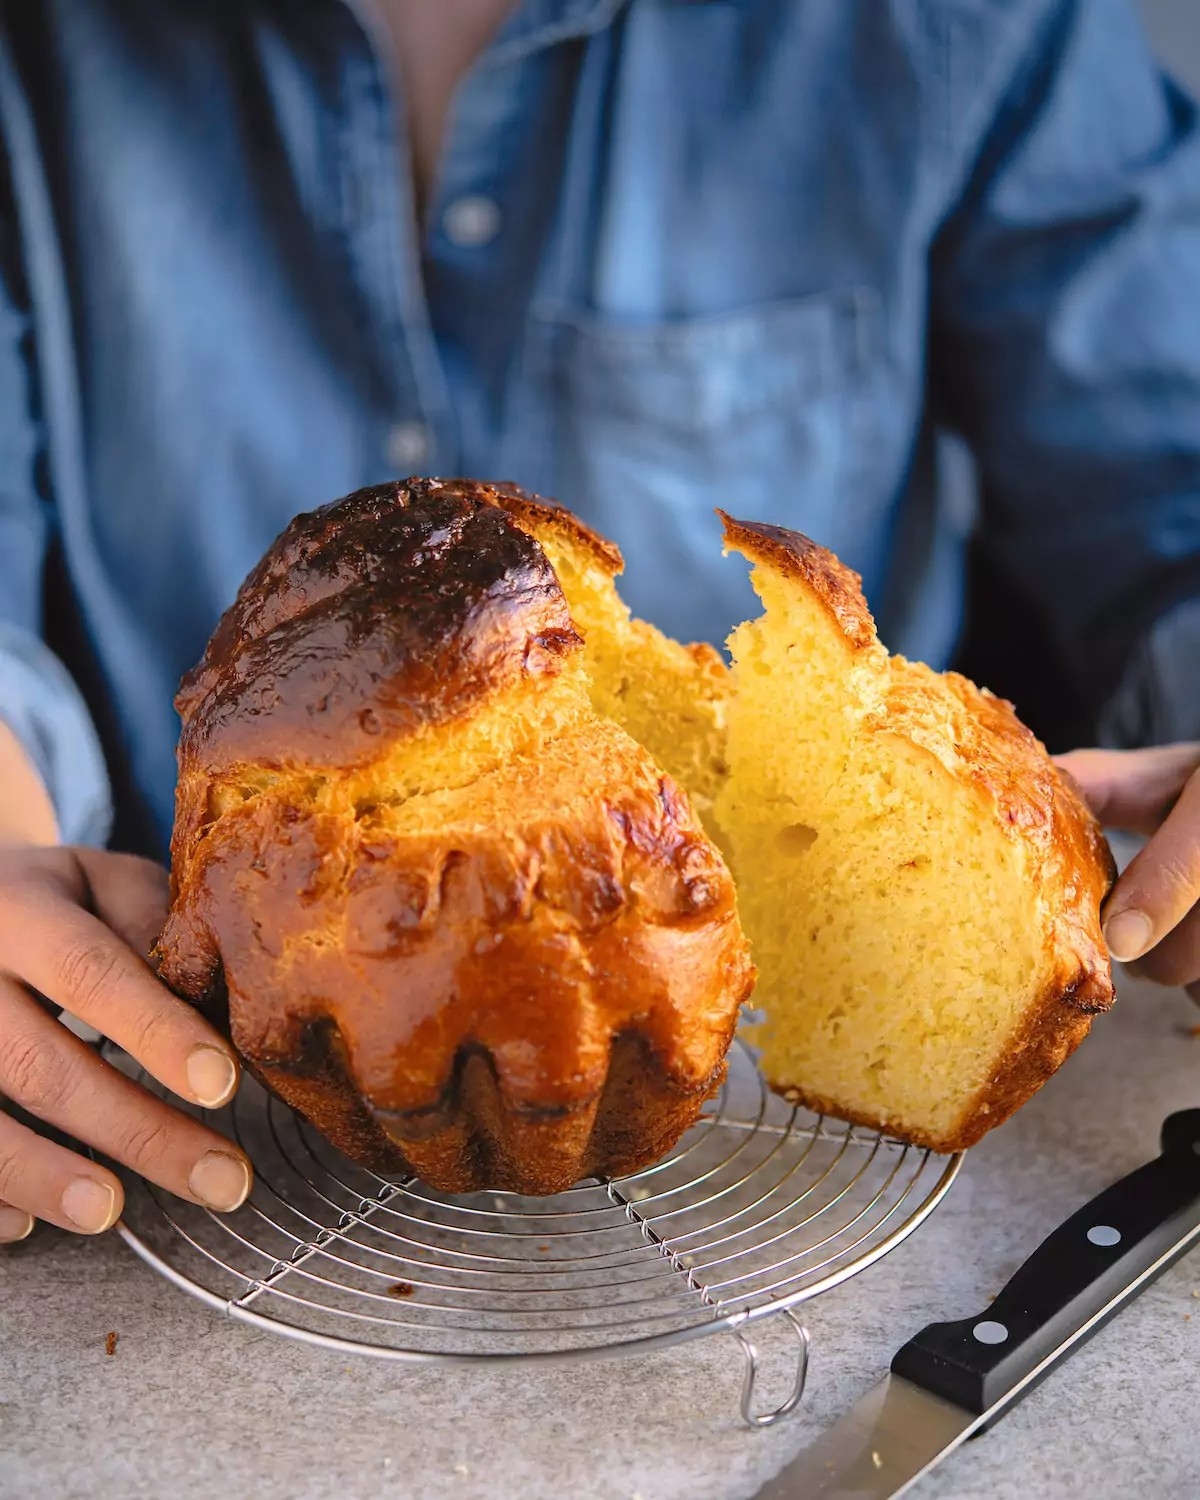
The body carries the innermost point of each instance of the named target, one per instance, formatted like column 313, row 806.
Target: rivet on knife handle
column 1067, row 1280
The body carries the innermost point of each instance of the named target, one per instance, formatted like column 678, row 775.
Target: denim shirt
column 680, row 254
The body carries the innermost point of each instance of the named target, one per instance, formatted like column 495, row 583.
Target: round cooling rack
column 761, row 1206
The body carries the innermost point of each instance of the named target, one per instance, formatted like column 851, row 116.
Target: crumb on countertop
column 401, row 1289
column 463, row 1469
column 110, row 1343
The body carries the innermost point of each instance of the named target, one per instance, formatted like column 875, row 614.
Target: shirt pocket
column 644, row 429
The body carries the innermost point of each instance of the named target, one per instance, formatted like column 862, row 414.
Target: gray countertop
column 191, row 1405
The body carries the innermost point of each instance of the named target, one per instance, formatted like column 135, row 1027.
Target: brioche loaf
column 453, row 915
column 439, row 851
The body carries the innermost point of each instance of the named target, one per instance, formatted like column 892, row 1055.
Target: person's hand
column 1153, row 913
column 75, row 925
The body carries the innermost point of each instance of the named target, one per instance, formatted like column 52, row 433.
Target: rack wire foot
column 750, row 1354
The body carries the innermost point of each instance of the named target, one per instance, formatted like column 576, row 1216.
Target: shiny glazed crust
column 510, row 988
column 990, row 751
column 397, row 609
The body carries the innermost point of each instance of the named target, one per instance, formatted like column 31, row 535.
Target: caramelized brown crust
column 365, row 966
column 592, row 908
column 794, row 555
column 456, row 983
column 480, row 1139
column 400, row 608
column 537, row 514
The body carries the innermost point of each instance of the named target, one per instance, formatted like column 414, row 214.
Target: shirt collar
column 535, row 24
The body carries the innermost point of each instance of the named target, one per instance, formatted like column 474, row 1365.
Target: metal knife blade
column 884, row 1443
column 954, row 1379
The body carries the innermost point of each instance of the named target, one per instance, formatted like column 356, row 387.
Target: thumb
column 128, row 894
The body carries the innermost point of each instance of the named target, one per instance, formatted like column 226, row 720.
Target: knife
column 953, row 1380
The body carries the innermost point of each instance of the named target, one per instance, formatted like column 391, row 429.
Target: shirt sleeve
column 1065, row 347
column 39, row 701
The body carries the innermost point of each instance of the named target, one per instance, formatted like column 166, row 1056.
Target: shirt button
column 408, row 445
column 471, row 222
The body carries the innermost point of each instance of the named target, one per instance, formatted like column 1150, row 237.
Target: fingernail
column 220, row 1180
column 1128, row 934
column 15, row 1224
column 211, row 1076
column 90, row 1205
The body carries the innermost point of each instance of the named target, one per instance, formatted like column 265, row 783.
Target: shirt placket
column 499, row 195
column 452, row 304
column 483, row 239
column 419, row 433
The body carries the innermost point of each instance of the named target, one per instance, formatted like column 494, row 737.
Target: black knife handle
column 1068, row 1281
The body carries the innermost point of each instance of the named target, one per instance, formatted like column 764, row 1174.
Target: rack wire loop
column 760, row 1207
column 799, row 1380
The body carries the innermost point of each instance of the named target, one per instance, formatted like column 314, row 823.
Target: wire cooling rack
column 761, row 1206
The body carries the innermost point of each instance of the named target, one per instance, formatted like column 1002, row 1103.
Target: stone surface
column 194, row 1406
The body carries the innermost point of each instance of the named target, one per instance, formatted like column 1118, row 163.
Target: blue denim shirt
column 681, row 253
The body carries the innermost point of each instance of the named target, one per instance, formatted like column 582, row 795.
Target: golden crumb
column 669, row 697
column 110, row 1343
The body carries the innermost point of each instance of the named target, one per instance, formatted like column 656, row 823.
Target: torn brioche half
column 447, row 908
column 920, row 885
